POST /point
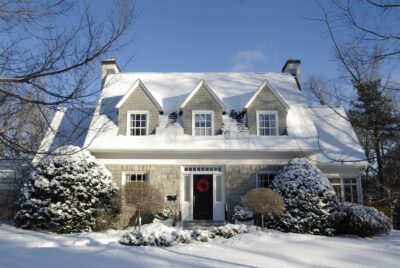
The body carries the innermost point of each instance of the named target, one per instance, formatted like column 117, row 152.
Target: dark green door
column 203, row 197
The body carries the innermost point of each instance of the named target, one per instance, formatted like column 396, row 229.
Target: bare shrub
column 264, row 201
column 145, row 197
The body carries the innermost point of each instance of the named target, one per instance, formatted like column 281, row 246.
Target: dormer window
column 137, row 123
column 203, row 123
column 267, row 123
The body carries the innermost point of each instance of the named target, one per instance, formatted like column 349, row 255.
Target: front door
column 203, row 197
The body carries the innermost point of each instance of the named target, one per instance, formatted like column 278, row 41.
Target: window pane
column 218, row 186
column 144, row 177
column 208, row 123
column 187, row 188
column 144, row 117
column 139, row 177
column 208, row 117
column 143, row 132
column 272, row 132
column 197, row 132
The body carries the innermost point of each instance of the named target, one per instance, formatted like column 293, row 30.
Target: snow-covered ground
column 21, row 248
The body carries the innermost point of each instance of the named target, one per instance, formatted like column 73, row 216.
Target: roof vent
column 292, row 67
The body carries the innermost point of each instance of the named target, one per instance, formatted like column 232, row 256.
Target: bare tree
column 145, row 197
column 48, row 58
column 264, row 201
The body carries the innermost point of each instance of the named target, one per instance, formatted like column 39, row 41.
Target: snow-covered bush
column 242, row 214
column 65, row 192
column 229, row 230
column 159, row 235
column 309, row 199
column 360, row 220
column 203, row 235
column 167, row 212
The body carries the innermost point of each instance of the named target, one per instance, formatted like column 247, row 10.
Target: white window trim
column 128, row 122
column 194, row 112
column 342, row 184
column 276, row 119
column 124, row 173
column 263, row 172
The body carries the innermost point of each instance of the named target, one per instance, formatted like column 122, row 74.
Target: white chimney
column 292, row 67
column 109, row 66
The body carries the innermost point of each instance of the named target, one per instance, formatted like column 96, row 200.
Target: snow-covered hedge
column 65, row 192
column 309, row 199
column 360, row 220
column 160, row 235
column 242, row 214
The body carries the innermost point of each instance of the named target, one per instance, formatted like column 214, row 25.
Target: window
column 203, row 123
column 218, row 188
column 135, row 177
column 137, row 123
column 337, row 186
column 267, row 123
column 345, row 189
column 264, row 180
column 187, row 187
column 350, row 190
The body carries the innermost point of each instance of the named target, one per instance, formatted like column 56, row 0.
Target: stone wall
column 238, row 180
column 166, row 177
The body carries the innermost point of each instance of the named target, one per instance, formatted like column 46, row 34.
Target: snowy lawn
column 21, row 248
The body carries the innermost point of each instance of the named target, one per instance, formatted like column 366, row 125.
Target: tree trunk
column 262, row 221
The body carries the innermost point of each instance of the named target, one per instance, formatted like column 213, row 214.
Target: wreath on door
column 203, row 186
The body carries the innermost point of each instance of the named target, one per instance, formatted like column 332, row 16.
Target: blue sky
column 235, row 35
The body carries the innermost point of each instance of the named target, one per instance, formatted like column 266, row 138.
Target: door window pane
column 218, row 188
column 187, row 188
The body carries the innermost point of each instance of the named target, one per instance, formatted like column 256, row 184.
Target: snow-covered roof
column 68, row 127
column 172, row 89
column 234, row 89
column 337, row 139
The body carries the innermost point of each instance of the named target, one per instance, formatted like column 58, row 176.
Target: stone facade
column 238, row 180
column 266, row 101
column 166, row 177
column 138, row 101
column 204, row 101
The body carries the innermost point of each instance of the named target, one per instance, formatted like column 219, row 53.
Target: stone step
column 202, row 224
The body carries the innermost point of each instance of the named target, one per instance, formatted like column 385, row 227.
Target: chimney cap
column 111, row 60
column 289, row 61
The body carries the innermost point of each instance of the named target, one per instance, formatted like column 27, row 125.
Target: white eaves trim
column 273, row 90
column 203, row 83
column 140, row 84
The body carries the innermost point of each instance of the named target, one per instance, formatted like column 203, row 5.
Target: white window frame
column 124, row 173
column 258, row 113
column 128, row 122
column 194, row 112
column 263, row 172
column 343, row 184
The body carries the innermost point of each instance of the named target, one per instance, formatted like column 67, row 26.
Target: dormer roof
column 203, row 84
column 136, row 85
column 266, row 84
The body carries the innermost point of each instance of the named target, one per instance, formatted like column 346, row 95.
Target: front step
column 201, row 224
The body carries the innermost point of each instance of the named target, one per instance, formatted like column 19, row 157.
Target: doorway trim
column 186, row 198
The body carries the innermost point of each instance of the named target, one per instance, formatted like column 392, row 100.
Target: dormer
column 202, row 111
column 266, row 112
column 138, row 111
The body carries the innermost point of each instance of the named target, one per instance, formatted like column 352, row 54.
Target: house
column 205, row 139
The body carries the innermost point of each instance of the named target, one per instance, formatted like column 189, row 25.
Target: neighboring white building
column 207, row 138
